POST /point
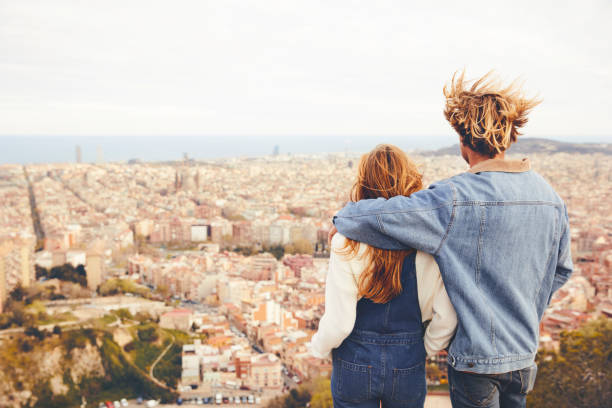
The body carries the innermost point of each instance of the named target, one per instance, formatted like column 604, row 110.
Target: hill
column 532, row 145
column 44, row 370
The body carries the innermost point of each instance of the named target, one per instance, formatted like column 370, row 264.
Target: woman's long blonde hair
column 384, row 172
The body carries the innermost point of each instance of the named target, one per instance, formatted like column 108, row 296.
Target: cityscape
column 170, row 173
column 207, row 278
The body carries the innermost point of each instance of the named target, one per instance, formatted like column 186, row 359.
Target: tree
column 245, row 250
column 40, row 271
column 116, row 286
column 18, row 294
column 32, row 331
column 129, row 346
column 25, row 346
column 296, row 398
column 163, row 290
column 5, row 321
column 57, row 330
column 278, row 251
column 65, row 272
column 20, row 316
column 579, row 374
column 322, row 397
column 123, row 314
column 433, row 371
column 148, row 334
column 80, row 270
column 300, row 246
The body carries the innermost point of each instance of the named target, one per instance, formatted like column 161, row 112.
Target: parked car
column 109, row 404
column 117, row 404
column 124, row 402
column 258, row 400
column 251, row 399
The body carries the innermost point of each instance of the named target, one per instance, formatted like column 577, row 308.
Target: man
column 500, row 235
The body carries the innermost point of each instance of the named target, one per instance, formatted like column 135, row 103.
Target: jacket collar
column 506, row 166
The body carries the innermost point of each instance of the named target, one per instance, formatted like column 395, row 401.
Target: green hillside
column 57, row 370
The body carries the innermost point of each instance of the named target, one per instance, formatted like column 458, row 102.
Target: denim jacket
column 500, row 235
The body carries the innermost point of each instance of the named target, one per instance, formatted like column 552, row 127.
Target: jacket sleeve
column 565, row 266
column 420, row 221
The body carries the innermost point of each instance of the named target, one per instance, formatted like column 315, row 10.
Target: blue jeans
column 507, row 390
column 370, row 369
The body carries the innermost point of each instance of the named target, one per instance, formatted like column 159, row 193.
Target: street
column 438, row 401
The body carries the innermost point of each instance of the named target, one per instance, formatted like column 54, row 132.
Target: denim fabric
column 383, row 359
column 507, row 390
column 503, row 247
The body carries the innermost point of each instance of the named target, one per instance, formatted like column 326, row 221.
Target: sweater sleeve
column 435, row 305
column 341, row 296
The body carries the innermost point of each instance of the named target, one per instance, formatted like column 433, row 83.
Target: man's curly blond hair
column 486, row 115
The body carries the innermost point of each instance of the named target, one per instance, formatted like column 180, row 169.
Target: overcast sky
column 266, row 67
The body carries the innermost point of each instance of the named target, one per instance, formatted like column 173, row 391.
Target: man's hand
column 331, row 234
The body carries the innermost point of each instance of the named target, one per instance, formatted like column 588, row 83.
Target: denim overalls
column 383, row 359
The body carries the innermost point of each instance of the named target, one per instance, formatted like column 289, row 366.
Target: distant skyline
column 53, row 149
column 284, row 69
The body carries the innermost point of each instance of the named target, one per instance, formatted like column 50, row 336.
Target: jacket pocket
column 351, row 382
column 477, row 388
column 409, row 385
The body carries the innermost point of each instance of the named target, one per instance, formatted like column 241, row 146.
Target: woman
column 376, row 302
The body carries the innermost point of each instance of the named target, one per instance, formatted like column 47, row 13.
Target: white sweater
column 341, row 297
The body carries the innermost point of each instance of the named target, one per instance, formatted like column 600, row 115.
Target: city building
column 178, row 319
column 95, row 266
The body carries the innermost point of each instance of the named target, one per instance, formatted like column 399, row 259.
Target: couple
column 477, row 257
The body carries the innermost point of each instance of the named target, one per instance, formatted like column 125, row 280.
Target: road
column 288, row 381
column 163, row 353
column 432, row 401
column 438, row 401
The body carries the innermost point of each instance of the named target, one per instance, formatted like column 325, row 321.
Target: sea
column 63, row 149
